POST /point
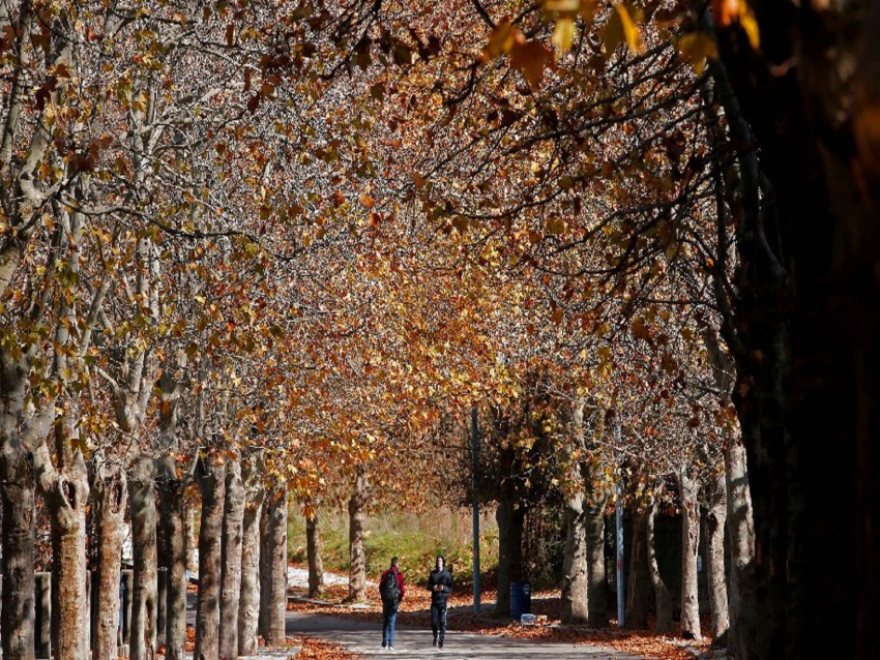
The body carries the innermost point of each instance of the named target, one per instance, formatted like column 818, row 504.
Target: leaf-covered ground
column 414, row 611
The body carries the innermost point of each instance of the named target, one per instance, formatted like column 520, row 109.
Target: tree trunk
column 575, row 582
column 65, row 489
column 171, row 491
column 314, row 549
column 265, row 571
column 249, row 604
column 597, row 596
column 662, row 598
column 357, row 516
column 231, row 562
column 142, row 503
column 690, row 542
column 809, row 320
column 211, row 482
column 110, row 494
column 17, row 529
column 716, row 573
column 638, row 597
column 744, row 614
column 511, row 517
column 277, row 533
column 70, row 616
column 574, row 563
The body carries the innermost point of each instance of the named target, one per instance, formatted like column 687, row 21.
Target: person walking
column 439, row 584
column 392, row 587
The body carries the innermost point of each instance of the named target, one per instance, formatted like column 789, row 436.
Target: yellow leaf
column 500, row 42
column 750, row 25
column 696, row 48
column 630, row 32
column 562, row 5
column 563, row 34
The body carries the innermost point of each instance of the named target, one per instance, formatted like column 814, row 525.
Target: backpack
column 389, row 589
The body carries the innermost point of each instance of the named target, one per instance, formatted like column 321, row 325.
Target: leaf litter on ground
column 415, row 607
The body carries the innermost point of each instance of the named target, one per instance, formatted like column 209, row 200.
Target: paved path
column 415, row 644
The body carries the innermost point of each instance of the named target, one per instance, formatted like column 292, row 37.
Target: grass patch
column 416, row 538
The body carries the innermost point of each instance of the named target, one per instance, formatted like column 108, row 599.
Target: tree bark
column 249, row 604
column 597, row 596
column 277, row 533
column 662, row 599
column 511, row 518
column 574, row 563
column 231, row 561
column 110, row 491
column 575, row 581
column 211, row 480
column 357, row 516
column 715, row 570
column 17, row 490
column 638, row 596
column 809, row 319
column 314, row 548
column 690, row 542
column 265, row 570
column 142, row 504
column 171, row 492
column 65, row 489
column 742, row 636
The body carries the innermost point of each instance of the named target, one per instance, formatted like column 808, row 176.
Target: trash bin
column 520, row 599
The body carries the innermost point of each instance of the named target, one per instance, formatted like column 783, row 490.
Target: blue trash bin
column 520, row 599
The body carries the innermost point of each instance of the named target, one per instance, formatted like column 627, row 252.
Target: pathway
column 415, row 644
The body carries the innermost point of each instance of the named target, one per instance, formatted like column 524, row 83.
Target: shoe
column 434, row 643
column 440, row 645
column 391, row 649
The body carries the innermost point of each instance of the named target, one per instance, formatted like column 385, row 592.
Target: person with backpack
column 439, row 584
column 391, row 588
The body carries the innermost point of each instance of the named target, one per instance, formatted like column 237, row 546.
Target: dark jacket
column 400, row 581
column 442, row 578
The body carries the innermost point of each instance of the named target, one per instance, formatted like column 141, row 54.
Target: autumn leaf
column 621, row 28
column 530, row 59
column 501, row 41
column 696, row 48
column 563, row 33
